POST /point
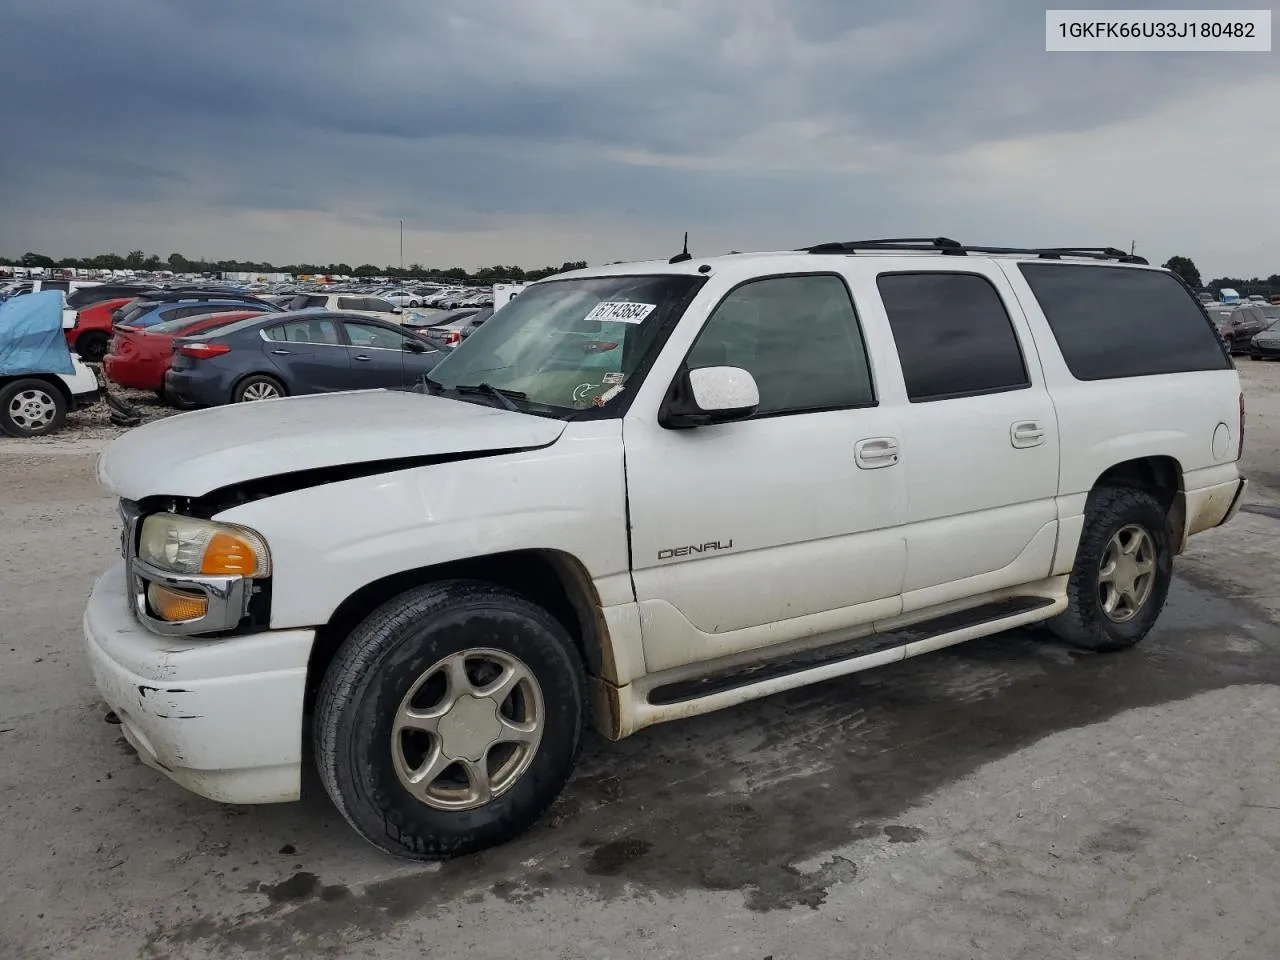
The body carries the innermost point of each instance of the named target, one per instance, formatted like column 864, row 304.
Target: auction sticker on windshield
column 620, row 311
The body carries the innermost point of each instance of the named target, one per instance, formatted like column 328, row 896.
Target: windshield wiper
column 504, row 397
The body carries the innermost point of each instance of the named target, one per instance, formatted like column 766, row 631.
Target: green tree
column 367, row 270
column 135, row 259
column 36, row 260
column 1184, row 268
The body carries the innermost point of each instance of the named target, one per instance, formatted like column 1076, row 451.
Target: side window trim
column 1026, row 383
column 262, row 333
column 859, row 329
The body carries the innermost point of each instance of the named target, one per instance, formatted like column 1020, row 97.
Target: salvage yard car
column 40, row 380
column 646, row 491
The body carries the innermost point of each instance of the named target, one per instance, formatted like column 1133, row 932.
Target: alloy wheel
column 467, row 729
column 1126, row 574
column 32, row 409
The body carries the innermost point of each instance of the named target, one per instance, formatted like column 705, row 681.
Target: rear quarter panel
column 1192, row 417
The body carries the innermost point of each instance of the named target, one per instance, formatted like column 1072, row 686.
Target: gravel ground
column 1005, row 798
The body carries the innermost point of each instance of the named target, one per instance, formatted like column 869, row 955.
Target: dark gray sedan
column 286, row 354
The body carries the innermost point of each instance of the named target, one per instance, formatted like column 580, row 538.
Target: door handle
column 363, row 357
column 1026, row 433
column 281, row 353
column 876, row 452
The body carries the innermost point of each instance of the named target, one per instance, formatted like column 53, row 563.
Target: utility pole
column 402, row 247
column 1133, row 245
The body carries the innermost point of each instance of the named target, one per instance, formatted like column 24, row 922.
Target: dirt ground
column 1005, row 798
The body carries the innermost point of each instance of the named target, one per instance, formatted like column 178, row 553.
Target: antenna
column 684, row 254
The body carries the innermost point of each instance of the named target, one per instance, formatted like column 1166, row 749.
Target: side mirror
column 709, row 395
column 414, row 347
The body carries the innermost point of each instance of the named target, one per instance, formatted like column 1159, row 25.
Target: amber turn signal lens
column 176, row 605
column 228, row 555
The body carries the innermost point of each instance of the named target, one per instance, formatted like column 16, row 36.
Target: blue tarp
column 31, row 337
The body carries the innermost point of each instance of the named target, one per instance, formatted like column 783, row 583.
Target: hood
column 192, row 454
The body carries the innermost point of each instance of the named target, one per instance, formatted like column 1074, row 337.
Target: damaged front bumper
column 220, row 717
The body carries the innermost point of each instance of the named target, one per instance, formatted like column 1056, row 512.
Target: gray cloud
column 757, row 122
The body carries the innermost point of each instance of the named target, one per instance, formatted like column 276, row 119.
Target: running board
column 724, row 687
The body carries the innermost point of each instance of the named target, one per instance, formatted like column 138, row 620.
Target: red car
column 92, row 332
column 138, row 358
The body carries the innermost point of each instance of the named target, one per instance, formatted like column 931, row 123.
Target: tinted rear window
column 953, row 335
column 1121, row 322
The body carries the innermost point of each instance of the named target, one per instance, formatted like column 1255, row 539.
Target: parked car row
column 240, row 353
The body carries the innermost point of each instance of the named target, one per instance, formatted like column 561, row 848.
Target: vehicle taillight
column 455, row 336
column 201, row 351
column 1240, row 449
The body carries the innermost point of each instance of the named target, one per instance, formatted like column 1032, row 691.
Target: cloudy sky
column 536, row 131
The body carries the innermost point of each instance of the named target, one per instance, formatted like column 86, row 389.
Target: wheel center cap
column 469, row 728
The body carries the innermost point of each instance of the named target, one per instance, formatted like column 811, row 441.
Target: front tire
column 31, row 408
column 1123, row 569
column 450, row 720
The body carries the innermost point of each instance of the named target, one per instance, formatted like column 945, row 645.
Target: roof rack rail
column 947, row 246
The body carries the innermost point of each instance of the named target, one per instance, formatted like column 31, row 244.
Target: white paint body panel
column 81, row 380
column 194, row 453
column 328, row 541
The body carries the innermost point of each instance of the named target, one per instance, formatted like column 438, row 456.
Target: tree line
column 140, row 260
column 1186, row 269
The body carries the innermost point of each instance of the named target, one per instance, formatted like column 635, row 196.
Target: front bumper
column 222, row 718
column 1269, row 349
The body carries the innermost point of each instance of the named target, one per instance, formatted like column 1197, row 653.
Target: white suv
column 360, row 303
column 646, row 491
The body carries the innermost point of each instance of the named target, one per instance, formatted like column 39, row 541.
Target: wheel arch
column 265, row 374
column 56, row 382
column 553, row 579
column 1162, row 477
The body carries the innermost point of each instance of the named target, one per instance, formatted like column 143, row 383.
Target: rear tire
column 1126, row 531
column 92, row 346
column 31, row 408
column 393, row 707
column 258, row 387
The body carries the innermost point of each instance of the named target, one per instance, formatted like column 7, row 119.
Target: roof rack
column 947, row 246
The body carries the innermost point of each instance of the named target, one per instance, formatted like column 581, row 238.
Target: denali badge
column 693, row 548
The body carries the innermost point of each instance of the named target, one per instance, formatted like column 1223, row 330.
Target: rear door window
column 1113, row 322
column 321, row 330
column 351, row 303
column 953, row 334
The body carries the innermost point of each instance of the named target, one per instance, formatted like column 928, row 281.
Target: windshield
column 569, row 345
